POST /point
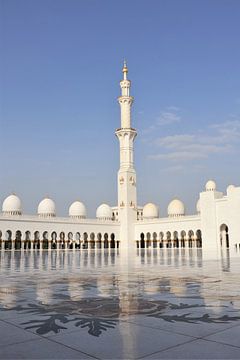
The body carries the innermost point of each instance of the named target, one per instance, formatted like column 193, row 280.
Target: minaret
column 127, row 194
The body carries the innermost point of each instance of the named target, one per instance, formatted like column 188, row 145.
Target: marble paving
column 93, row 304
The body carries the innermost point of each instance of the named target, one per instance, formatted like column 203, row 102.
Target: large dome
column 210, row 185
column 104, row 212
column 77, row 210
column 150, row 211
column 12, row 205
column 176, row 208
column 47, row 208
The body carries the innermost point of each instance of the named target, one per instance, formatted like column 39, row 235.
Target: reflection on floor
column 153, row 304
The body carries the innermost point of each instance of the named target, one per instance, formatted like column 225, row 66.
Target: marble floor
column 155, row 304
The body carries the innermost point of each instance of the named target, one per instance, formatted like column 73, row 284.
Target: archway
column 45, row 240
column 62, row 240
column 199, row 238
column 105, row 241
column 154, row 240
column 161, row 236
column 175, row 239
column 18, row 240
column 224, row 236
column 70, row 240
column 85, row 240
column 8, row 242
column 169, row 243
column 142, row 241
column 27, row 243
column 92, row 241
column 190, row 238
column 112, row 243
column 148, row 236
column 54, row 240
column 36, row 241
column 99, row 240
column 78, row 241
column 183, row 237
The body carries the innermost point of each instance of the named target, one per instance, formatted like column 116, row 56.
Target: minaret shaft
column 127, row 193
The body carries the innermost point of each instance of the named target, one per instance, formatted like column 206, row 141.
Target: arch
column 62, row 240
column 199, row 238
column 45, row 240
column 70, row 236
column 142, row 241
column 92, row 240
column 112, row 243
column 36, row 240
column 54, row 240
column 175, row 239
column 224, row 236
column 85, row 240
column 161, row 237
column 183, row 238
column 70, row 240
column 154, row 236
column 99, row 240
column 148, row 237
column 27, row 243
column 168, row 236
column 0, row 239
column 190, row 238
column 105, row 241
column 18, row 240
column 8, row 242
column 78, row 240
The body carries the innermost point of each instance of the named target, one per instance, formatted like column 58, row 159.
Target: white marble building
column 215, row 225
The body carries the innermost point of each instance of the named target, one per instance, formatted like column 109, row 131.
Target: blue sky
column 60, row 70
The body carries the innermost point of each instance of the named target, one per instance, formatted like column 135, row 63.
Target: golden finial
column 125, row 69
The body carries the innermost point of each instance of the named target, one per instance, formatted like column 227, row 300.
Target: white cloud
column 219, row 138
column 167, row 118
column 173, row 108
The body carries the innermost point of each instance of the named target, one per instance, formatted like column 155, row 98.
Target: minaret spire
column 125, row 100
column 125, row 70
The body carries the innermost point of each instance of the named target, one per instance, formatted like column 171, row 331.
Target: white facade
column 214, row 227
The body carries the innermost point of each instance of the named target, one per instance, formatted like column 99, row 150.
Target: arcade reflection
column 96, row 290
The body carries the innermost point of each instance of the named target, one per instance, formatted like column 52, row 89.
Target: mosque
column 214, row 227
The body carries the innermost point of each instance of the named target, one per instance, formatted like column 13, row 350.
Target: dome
column 230, row 188
column 198, row 206
column 176, row 208
column 77, row 210
column 150, row 211
column 104, row 212
column 210, row 185
column 46, row 208
column 12, row 205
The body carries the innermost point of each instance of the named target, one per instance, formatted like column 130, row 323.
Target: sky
column 60, row 69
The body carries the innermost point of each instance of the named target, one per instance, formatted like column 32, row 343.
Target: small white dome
column 104, row 212
column 198, row 206
column 77, row 210
column 12, row 205
column 150, row 211
column 230, row 188
column 46, row 208
column 210, row 185
column 176, row 208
